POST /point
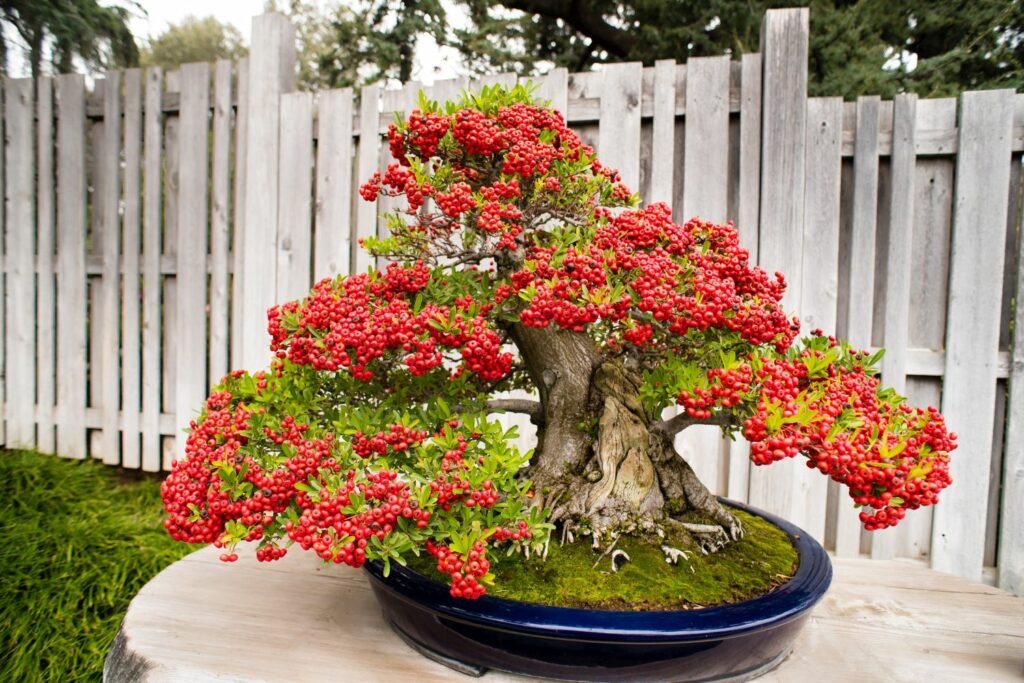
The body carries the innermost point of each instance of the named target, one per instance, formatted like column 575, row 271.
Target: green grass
column 763, row 560
column 77, row 542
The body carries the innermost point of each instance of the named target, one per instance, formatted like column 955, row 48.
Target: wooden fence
column 150, row 222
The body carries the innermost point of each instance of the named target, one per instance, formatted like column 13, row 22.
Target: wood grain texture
column 705, row 196
column 180, row 628
column 860, row 292
column 271, row 73
column 1011, row 515
column 784, row 45
column 332, row 239
column 169, row 285
column 71, row 286
column 295, row 200
column 972, row 330
column 106, row 322
column 706, row 149
column 896, row 330
column 933, row 209
column 366, row 164
column 220, row 223
column 152, row 322
column 131, row 241
column 20, row 250
column 747, row 223
column 819, row 291
column 238, row 214
column 46, row 320
column 664, row 131
column 618, row 143
column 190, row 339
column 554, row 87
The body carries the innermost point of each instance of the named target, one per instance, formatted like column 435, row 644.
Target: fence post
column 271, row 73
column 784, row 45
column 972, row 325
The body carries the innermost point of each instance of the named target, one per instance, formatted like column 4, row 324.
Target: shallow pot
column 735, row 642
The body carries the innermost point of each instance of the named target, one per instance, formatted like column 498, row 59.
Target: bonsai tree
column 518, row 261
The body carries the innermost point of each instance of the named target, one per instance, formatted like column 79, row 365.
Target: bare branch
column 583, row 17
column 674, row 425
column 519, row 405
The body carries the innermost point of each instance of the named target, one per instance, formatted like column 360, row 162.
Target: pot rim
column 798, row 595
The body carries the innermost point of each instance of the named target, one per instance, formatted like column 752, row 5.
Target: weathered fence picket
column 295, row 200
column 215, row 193
column 71, row 283
column 819, row 291
column 46, row 278
column 190, row 337
column 20, row 326
column 220, row 222
column 131, row 375
column 972, row 327
column 784, row 39
column 152, row 204
column 332, row 242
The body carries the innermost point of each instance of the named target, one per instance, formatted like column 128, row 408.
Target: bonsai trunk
column 603, row 466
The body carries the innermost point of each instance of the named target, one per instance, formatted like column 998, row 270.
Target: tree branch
column 519, row 405
column 674, row 425
column 581, row 16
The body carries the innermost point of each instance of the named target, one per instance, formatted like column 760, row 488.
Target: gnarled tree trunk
column 603, row 466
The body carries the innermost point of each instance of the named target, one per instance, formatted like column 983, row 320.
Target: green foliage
column 354, row 43
column 96, row 33
column 764, row 559
column 79, row 541
column 194, row 40
column 857, row 46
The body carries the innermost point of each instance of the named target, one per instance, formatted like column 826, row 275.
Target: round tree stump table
column 296, row 621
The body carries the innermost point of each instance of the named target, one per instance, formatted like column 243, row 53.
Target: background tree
column 931, row 47
column 194, row 40
column 362, row 42
column 69, row 29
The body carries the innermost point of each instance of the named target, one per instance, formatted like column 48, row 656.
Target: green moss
column 764, row 559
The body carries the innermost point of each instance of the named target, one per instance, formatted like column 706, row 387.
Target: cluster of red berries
column 519, row 141
column 465, row 571
column 335, row 533
column 891, row 457
column 726, row 388
column 352, row 322
column 522, row 532
column 423, row 132
column 398, row 438
column 692, row 276
column 197, row 497
column 457, row 200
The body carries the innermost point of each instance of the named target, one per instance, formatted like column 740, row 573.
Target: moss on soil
column 763, row 560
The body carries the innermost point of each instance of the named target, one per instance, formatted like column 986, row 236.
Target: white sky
column 163, row 13
column 431, row 63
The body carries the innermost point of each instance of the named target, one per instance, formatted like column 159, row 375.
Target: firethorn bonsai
column 520, row 262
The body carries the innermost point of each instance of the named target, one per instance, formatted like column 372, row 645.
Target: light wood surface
column 203, row 620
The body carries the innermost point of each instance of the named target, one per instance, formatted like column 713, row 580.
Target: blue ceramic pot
column 735, row 642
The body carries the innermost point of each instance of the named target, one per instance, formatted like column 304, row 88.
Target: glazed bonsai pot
column 734, row 642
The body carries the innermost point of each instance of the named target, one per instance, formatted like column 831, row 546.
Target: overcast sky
column 162, row 13
column 431, row 63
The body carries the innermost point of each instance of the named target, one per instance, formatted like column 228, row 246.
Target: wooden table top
column 295, row 621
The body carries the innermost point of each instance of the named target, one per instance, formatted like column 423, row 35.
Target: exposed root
column 616, row 557
column 673, row 555
column 710, row 538
column 605, row 553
